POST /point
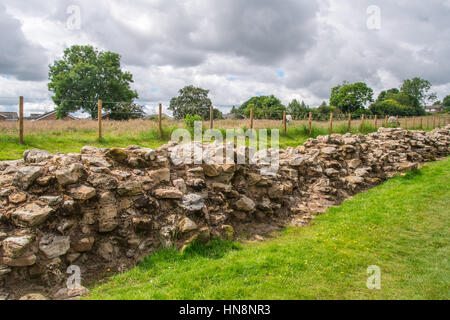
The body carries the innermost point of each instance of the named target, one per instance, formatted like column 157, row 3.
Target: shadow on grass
column 214, row 250
column 413, row 174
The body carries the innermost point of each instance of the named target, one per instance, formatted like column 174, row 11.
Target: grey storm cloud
column 259, row 30
column 18, row 56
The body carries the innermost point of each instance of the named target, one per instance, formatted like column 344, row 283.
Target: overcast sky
column 235, row 48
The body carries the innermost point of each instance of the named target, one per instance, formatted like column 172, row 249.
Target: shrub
column 189, row 121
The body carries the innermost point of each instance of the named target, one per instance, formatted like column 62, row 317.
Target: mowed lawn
column 401, row 226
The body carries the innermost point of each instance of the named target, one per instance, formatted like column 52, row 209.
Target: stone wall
column 105, row 209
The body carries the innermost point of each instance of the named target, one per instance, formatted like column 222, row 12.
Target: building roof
column 435, row 107
column 33, row 116
column 9, row 115
column 43, row 116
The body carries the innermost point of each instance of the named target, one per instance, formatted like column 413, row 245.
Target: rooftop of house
column 9, row 115
column 37, row 117
column 435, row 107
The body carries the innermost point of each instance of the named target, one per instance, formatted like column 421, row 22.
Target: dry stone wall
column 105, row 209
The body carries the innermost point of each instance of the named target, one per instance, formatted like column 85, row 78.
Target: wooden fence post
column 310, row 123
column 21, row 120
column 160, row 121
column 99, row 116
column 421, row 122
column 331, row 123
column 211, row 118
column 375, row 121
column 434, row 122
column 251, row 118
column 349, row 128
column 386, row 119
column 362, row 122
column 284, row 122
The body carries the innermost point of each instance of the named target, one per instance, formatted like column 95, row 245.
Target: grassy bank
column 71, row 136
column 401, row 226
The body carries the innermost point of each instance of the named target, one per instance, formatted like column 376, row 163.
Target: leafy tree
column 297, row 110
column 403, row 99
column 265, row 107
column 419, row 91
column 396, row 103
column 217, row 114
column 384, row 95
column 192, row 101
column 392, row 107
column 325, row 109
column 126, row 111
column 189, row 120
column 446, row 103
column 83, row 76
column 351, row 97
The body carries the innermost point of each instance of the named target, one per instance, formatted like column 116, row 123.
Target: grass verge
column 401, row 226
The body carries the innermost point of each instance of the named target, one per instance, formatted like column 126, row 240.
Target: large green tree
column 298, row 110
column 192, row 101
column 217, row 114
column 396, row 95
column 418, row 90
column 387, row 94
column 265, row 107
column 395, row 102
column 83, row 76
column 391, row 107
column 446, row 103
column 351, row 97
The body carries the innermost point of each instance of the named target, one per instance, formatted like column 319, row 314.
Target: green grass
column 401, row 226
column 67, row 142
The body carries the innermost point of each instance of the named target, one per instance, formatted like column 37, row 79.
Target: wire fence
column 105, row 121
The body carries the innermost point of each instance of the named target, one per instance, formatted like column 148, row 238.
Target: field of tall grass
column 71, row 136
